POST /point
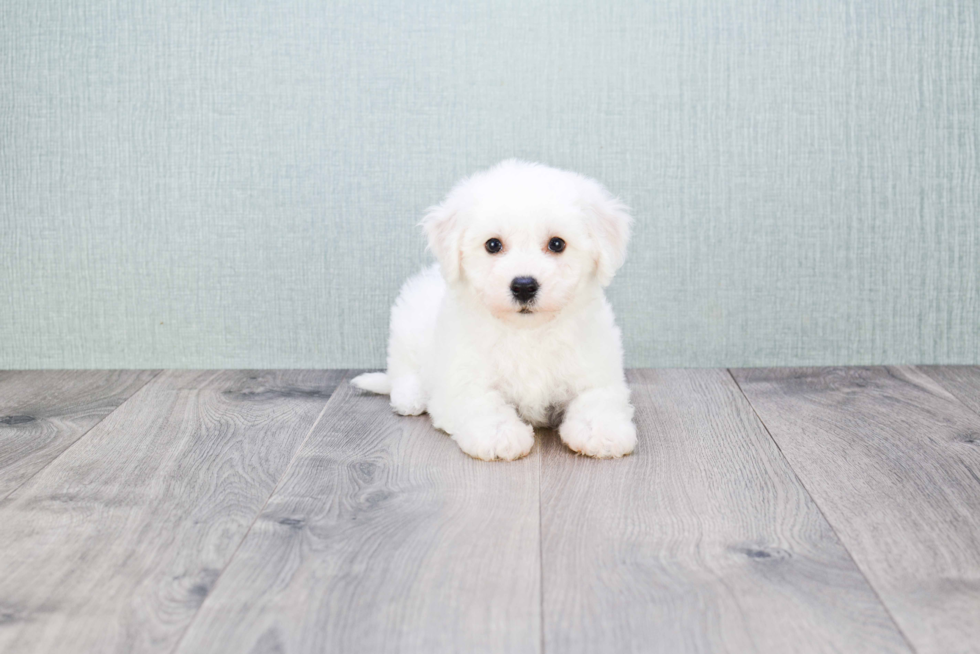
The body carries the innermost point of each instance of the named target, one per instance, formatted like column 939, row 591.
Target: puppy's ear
column 440, row 225
column 609, row 222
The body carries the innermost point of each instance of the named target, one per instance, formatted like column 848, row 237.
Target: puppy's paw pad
column 604, row 437
column 506, row 440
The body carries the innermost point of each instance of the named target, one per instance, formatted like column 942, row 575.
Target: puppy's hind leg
column 413, row 319
column 407, row 396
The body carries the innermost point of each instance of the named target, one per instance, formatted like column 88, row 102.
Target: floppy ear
column 441, row 228
column 609, row 223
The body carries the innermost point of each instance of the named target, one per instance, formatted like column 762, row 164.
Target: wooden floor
column 779, row 510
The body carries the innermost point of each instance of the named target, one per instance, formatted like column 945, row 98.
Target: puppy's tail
column 376, row 382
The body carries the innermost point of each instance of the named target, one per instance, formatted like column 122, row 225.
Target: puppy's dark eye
column 556, row 245
column 493, row 246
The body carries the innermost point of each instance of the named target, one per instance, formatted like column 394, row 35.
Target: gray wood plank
column 892, row 459
column 702, row 541
column 384, row 537
column 115, row 544
column 42, row 412
column 961, row 381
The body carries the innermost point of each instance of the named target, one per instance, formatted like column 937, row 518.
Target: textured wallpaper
column 237, row 184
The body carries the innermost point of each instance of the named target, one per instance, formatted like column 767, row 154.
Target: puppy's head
column 525, row 239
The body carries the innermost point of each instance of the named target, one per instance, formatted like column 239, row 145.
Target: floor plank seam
column 333, row 394
column 540, row 556
column 857, row 566
column 83, row 435
column 949, row 389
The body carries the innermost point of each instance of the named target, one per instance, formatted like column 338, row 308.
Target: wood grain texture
column 384, row 537
column 892, row 459
column 961, row 381
column 113, row 546
column 702, row 541
column 42, row 412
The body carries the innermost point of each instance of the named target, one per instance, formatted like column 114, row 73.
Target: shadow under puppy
column 512, row 328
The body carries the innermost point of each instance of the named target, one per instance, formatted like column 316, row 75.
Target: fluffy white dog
column 512, row 329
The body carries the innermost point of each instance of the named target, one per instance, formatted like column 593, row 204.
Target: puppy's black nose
column 524, row 289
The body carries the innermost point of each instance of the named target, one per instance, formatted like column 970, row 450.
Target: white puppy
column 511, row 328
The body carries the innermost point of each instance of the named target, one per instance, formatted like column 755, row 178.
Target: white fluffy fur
column 461, row 349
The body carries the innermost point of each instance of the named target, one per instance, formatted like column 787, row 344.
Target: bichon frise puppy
column 511, row 328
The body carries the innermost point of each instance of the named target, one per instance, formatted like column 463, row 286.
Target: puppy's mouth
column 525, row 310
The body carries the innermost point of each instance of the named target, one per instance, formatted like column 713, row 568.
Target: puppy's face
column 525, row 259
column 525, row 239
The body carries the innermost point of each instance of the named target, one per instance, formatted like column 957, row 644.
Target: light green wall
column 236, row 184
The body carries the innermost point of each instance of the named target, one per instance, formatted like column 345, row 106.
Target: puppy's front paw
column 603, row 435
column 503, row 438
